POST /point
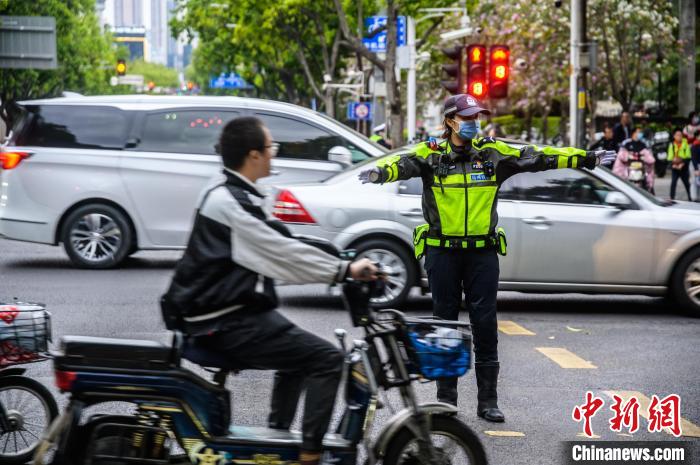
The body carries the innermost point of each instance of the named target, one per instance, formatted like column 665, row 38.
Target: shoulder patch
column 484, row 140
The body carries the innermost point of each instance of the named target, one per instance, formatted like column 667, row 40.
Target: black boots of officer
column 487, row 396
column 486, row 383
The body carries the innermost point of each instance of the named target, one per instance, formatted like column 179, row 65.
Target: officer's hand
column 372, row 175
column 364, row 270
column 604, row 157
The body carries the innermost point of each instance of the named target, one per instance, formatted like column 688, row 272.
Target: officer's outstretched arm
column 394, row 168
column 534, row 158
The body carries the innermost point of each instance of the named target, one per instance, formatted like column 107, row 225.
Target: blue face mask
column 468, row 129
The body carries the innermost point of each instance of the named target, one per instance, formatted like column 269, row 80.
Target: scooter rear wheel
column 29, row 409
column 455, row 443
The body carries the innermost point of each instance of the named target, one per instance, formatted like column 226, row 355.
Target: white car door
column 169, row 165
column 569, row 234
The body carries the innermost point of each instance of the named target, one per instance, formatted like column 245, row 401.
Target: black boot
column 447, row 390
column 486, row 382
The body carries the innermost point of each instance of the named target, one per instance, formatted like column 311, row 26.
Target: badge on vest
column 479, row 177
column 477, row 166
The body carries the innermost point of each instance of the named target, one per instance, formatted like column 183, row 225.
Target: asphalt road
column 616, row 343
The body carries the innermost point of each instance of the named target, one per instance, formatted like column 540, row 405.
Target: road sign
column 228, row 81
column 377, row 43
column 361, row 111
column 28, row 42
column 130, row 80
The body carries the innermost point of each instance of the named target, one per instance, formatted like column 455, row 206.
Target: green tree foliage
column 282, row 47
column 85, row 58
column 160, row 75
column 629, row 32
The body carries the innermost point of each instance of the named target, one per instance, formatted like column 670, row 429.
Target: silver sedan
column 568, row 231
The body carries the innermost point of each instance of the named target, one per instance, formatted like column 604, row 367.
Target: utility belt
column 421, row 239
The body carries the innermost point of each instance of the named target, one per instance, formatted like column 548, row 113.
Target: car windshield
column 644, row 193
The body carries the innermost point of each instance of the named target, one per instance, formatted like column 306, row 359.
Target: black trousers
column 684, row 174
column 268, row 341
column 474, row 272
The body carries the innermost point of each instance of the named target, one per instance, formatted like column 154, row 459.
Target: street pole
column 574, row 71
column 411, row 98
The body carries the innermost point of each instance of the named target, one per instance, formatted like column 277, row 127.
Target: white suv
column 107, row 176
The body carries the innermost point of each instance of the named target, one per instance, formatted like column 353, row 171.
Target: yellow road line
column 688, row 429
column 564, row 358
column 512, row 328
column 505, row 434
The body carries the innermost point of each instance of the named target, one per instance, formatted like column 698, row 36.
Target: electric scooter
column 174, row 406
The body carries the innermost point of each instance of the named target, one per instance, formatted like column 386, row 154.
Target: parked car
column 568, row 231
column 107, row 176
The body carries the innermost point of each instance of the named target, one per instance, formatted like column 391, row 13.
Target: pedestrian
column 679, row 153
column 692, row 127
column 379, row 136
column 607, row 142
column 223, row 295
column 623, row 130
column 461, row 176
column 695, row 159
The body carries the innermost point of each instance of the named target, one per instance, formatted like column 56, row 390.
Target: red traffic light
column 499, row 71
column 454, row 70
column 476, row 70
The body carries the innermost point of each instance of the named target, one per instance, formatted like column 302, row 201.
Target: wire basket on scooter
column 438, row 351
column 25, row 331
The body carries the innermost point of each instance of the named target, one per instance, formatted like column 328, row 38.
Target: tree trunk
column 528, row 125
column 686, row 72
column 330, row 103
column 393, row 95
column 545, row 124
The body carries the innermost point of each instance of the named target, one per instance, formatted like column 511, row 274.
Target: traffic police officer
column 461, row 177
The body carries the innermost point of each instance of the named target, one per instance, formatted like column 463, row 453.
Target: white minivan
column 110, row 175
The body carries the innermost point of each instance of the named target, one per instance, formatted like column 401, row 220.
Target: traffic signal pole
column 411, row 98
column 577, row 103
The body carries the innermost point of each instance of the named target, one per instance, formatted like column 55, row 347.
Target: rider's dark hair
column 676, row 129
column 238, row 138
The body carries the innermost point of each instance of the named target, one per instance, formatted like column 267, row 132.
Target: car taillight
column 10, row 159
column 290, row 210
column 65, row 379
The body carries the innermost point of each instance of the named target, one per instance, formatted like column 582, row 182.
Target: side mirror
column 618, row 200
column 340, row 155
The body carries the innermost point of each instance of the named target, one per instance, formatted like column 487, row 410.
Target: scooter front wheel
column 454, row 443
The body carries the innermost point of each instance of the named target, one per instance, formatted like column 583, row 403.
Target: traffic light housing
column 121, row 67
column 454, row 70
column 476, row 70
column 499, row 70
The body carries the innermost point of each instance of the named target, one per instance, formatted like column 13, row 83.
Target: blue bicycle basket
column 439, row 351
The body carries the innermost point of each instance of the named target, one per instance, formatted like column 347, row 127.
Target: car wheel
column 97, row 236
column 402, row 265
column 685, row 281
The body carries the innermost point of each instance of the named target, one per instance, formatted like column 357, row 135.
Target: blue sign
column 361, row 111
column 230, row 81
column 377, row 43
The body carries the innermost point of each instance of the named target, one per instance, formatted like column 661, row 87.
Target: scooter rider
column 461, row 177
column 633, row 149
column 223, row 289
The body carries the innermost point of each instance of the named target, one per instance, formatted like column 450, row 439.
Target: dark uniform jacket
column 234, row 252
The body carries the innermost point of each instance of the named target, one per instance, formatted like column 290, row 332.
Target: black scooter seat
column 262, row 435
column 209, row 358
column 86, row 351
